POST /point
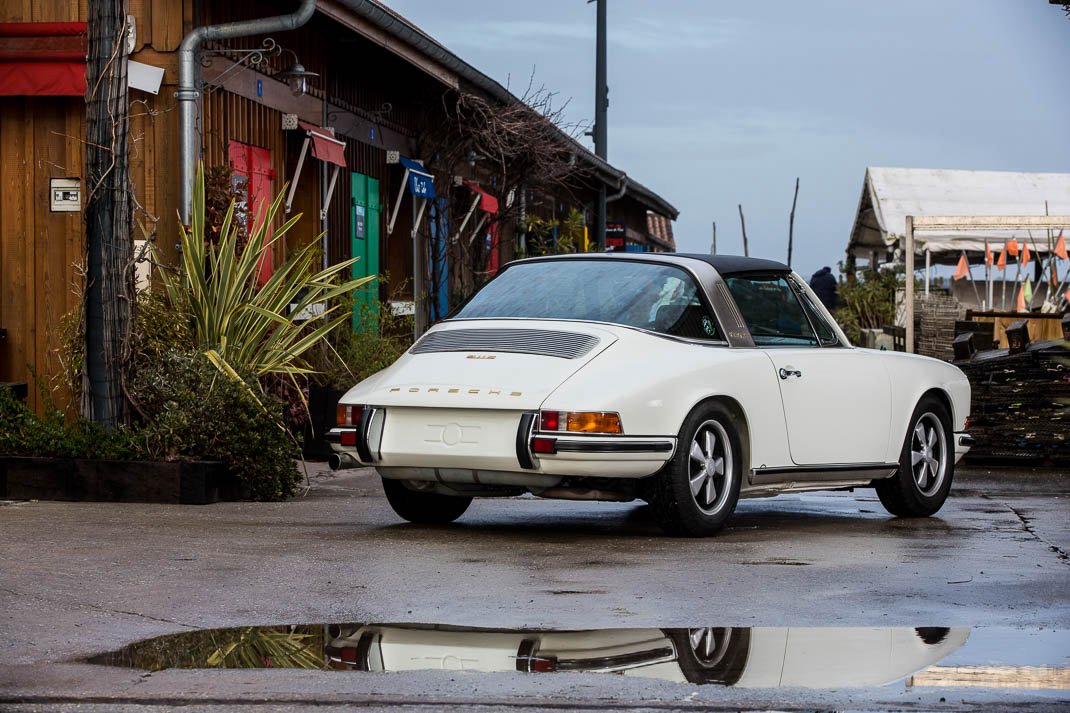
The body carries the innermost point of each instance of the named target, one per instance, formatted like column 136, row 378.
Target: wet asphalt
column 78, row 579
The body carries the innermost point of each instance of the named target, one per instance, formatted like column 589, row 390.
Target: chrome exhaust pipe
column 342, row 461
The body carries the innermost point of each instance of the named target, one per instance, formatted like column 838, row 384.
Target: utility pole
column 713, row 245
column 601, row 105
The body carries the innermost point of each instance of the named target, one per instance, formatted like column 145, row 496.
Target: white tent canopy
column 889, row 195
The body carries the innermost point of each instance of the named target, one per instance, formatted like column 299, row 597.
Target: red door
column 254, row 165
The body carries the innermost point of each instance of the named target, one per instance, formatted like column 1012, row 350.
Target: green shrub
column 241, row 326
column 867, row 302
column 379, row 338
column 24, row 433
column 194, row 411
column 549, row 237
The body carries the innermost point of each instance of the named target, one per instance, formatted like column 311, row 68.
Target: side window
column 677, row 310
column 825, row 333
column 771, row 310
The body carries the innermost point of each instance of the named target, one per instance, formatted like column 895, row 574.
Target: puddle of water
column 759, row 657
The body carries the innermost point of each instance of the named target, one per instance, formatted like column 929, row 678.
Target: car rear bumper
column 457, row 443
column 963, row 442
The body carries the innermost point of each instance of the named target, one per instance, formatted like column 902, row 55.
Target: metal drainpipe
column 619, row 194
column 188, row 94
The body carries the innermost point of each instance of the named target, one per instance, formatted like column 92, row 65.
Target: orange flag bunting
column 962, row 269
column 1067, row 295
column 1025, row 256
column 1012, row 248
column 988, row 255
column 1002, row 262
column 1020, row 307
column 1060, row 248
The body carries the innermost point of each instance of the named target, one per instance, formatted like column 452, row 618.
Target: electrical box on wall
column 66, row 195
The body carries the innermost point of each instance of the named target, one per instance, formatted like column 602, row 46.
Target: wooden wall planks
column 43, row 11
column 227, row 117
column 40, row 250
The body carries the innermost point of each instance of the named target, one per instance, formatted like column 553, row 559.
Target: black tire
column 919, row 489
column 423, row 508
column 932, row 635
column 679, row 510
column 711, row 654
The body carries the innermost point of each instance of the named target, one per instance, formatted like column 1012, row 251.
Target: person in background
column 824, row 286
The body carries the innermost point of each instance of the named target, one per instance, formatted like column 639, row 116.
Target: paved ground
column 82, row 578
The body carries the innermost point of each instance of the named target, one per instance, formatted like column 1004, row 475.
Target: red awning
column 324, row 146
column 487, row 202
column 43, row 58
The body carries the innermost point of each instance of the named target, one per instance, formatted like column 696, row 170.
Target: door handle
column 785, row 373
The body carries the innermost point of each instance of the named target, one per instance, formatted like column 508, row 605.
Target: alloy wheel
column 710, row 466
column 709, row 644
column 928, row 454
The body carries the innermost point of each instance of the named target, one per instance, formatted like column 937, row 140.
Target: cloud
column 727, row 133
column 645, row 34
column 658, row 34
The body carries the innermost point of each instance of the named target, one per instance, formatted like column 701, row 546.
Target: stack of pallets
column 1021, row 404
column 936, row 316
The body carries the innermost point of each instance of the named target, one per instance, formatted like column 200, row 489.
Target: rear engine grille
column 544, row 342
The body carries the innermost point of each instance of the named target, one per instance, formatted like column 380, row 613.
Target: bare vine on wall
column 523, row 146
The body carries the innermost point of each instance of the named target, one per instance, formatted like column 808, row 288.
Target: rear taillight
column 580, row 421
column 348, row 655
column 543, row 445
column 543, row 664
column 349, row 415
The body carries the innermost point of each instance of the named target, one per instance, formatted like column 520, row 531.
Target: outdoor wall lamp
column 296, row 76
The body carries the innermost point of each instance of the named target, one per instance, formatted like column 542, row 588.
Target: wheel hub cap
column 928, row 454
column 710, row 455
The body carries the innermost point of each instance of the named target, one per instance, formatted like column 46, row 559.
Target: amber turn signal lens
column 593, row 422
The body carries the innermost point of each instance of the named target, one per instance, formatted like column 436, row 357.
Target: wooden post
column 928, row 268
column 969, row 276
column 791, row 220
column 743, row 224
column 989, row 293
column 908, row 308
column 109, row 292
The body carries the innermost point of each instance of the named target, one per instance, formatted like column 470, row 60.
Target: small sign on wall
column 358, row 222
column 65, row 195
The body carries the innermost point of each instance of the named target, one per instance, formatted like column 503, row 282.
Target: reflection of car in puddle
column 759, row 658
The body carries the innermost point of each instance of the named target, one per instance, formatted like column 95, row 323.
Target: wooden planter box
column 191, row 483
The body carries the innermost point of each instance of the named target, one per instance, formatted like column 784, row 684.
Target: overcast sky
column 714, row 103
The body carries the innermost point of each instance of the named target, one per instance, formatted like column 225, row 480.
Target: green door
column 364, row 235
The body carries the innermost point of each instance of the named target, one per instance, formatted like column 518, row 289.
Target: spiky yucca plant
column 242, row 327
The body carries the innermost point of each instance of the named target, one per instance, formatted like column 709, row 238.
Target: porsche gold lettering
column 455, row 390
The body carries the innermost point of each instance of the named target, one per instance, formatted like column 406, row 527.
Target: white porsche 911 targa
column 688, row 381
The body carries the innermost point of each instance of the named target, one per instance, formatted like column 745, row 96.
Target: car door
column 836, row 399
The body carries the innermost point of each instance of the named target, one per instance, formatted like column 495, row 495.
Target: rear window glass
column 660, row 298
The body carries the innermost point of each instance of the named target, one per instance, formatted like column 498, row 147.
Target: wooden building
column 346, row 138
